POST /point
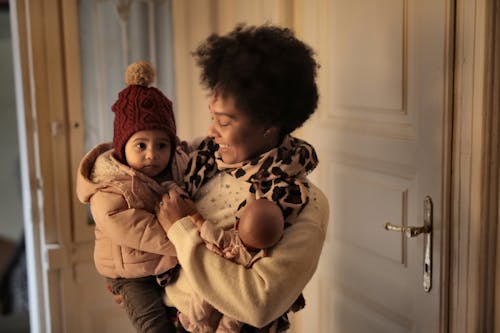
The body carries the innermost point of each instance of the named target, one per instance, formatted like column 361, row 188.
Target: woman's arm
column 265, row 291
column 131, row 227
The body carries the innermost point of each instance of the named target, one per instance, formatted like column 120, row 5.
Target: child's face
column 148, row 151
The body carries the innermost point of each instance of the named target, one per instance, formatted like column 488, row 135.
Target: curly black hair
column 266, row 69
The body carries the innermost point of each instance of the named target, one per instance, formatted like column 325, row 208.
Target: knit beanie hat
column 140, row 107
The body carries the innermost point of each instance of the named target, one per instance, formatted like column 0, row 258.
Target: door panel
column 379, row 134
column 98, row 312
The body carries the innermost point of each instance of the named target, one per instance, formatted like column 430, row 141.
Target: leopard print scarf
column 277, row 175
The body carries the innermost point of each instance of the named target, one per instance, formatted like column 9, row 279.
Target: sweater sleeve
column 265, row 291
column 130, row 227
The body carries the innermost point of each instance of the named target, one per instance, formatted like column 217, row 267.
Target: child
column 277, row 191
column 123, row 182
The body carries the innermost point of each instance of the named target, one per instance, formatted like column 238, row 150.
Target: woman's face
column 238, row 137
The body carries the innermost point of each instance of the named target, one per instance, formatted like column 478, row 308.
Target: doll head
column 261, row 224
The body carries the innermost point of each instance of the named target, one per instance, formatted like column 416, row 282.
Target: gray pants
column 143, row 300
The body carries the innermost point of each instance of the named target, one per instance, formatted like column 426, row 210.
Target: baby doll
column 259, row 227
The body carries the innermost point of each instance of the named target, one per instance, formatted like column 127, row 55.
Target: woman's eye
column 220, row 122
column 223, row 123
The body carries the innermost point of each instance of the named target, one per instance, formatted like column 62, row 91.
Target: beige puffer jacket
column 129, row 240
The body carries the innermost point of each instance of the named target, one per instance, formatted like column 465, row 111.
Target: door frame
column 47, row 78
column 48, row 106
column 474, row 197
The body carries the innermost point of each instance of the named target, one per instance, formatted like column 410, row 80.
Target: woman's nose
column 212, row 132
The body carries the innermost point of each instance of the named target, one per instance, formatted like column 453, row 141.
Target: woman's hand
column 173, row 207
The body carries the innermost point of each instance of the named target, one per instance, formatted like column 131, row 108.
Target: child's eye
column 162, row 145
column 141, row 146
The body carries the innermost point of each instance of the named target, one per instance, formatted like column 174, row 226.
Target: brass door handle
column 408, row 231
column 426, row 229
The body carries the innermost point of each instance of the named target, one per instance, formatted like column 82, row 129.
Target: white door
column 382, row 137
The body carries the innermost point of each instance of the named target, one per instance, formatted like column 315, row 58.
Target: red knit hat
column 140, row 107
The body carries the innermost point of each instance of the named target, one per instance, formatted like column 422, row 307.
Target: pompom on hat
column 140, row 107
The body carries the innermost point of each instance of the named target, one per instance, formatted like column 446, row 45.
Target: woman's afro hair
column 266, row 69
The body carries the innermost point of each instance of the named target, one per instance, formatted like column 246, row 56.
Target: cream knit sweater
column 262, row 293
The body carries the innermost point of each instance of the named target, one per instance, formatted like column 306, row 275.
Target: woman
column 262, row 82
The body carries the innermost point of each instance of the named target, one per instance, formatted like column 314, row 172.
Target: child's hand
column 170, row 185
column 173, row 207
column 116, row 297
